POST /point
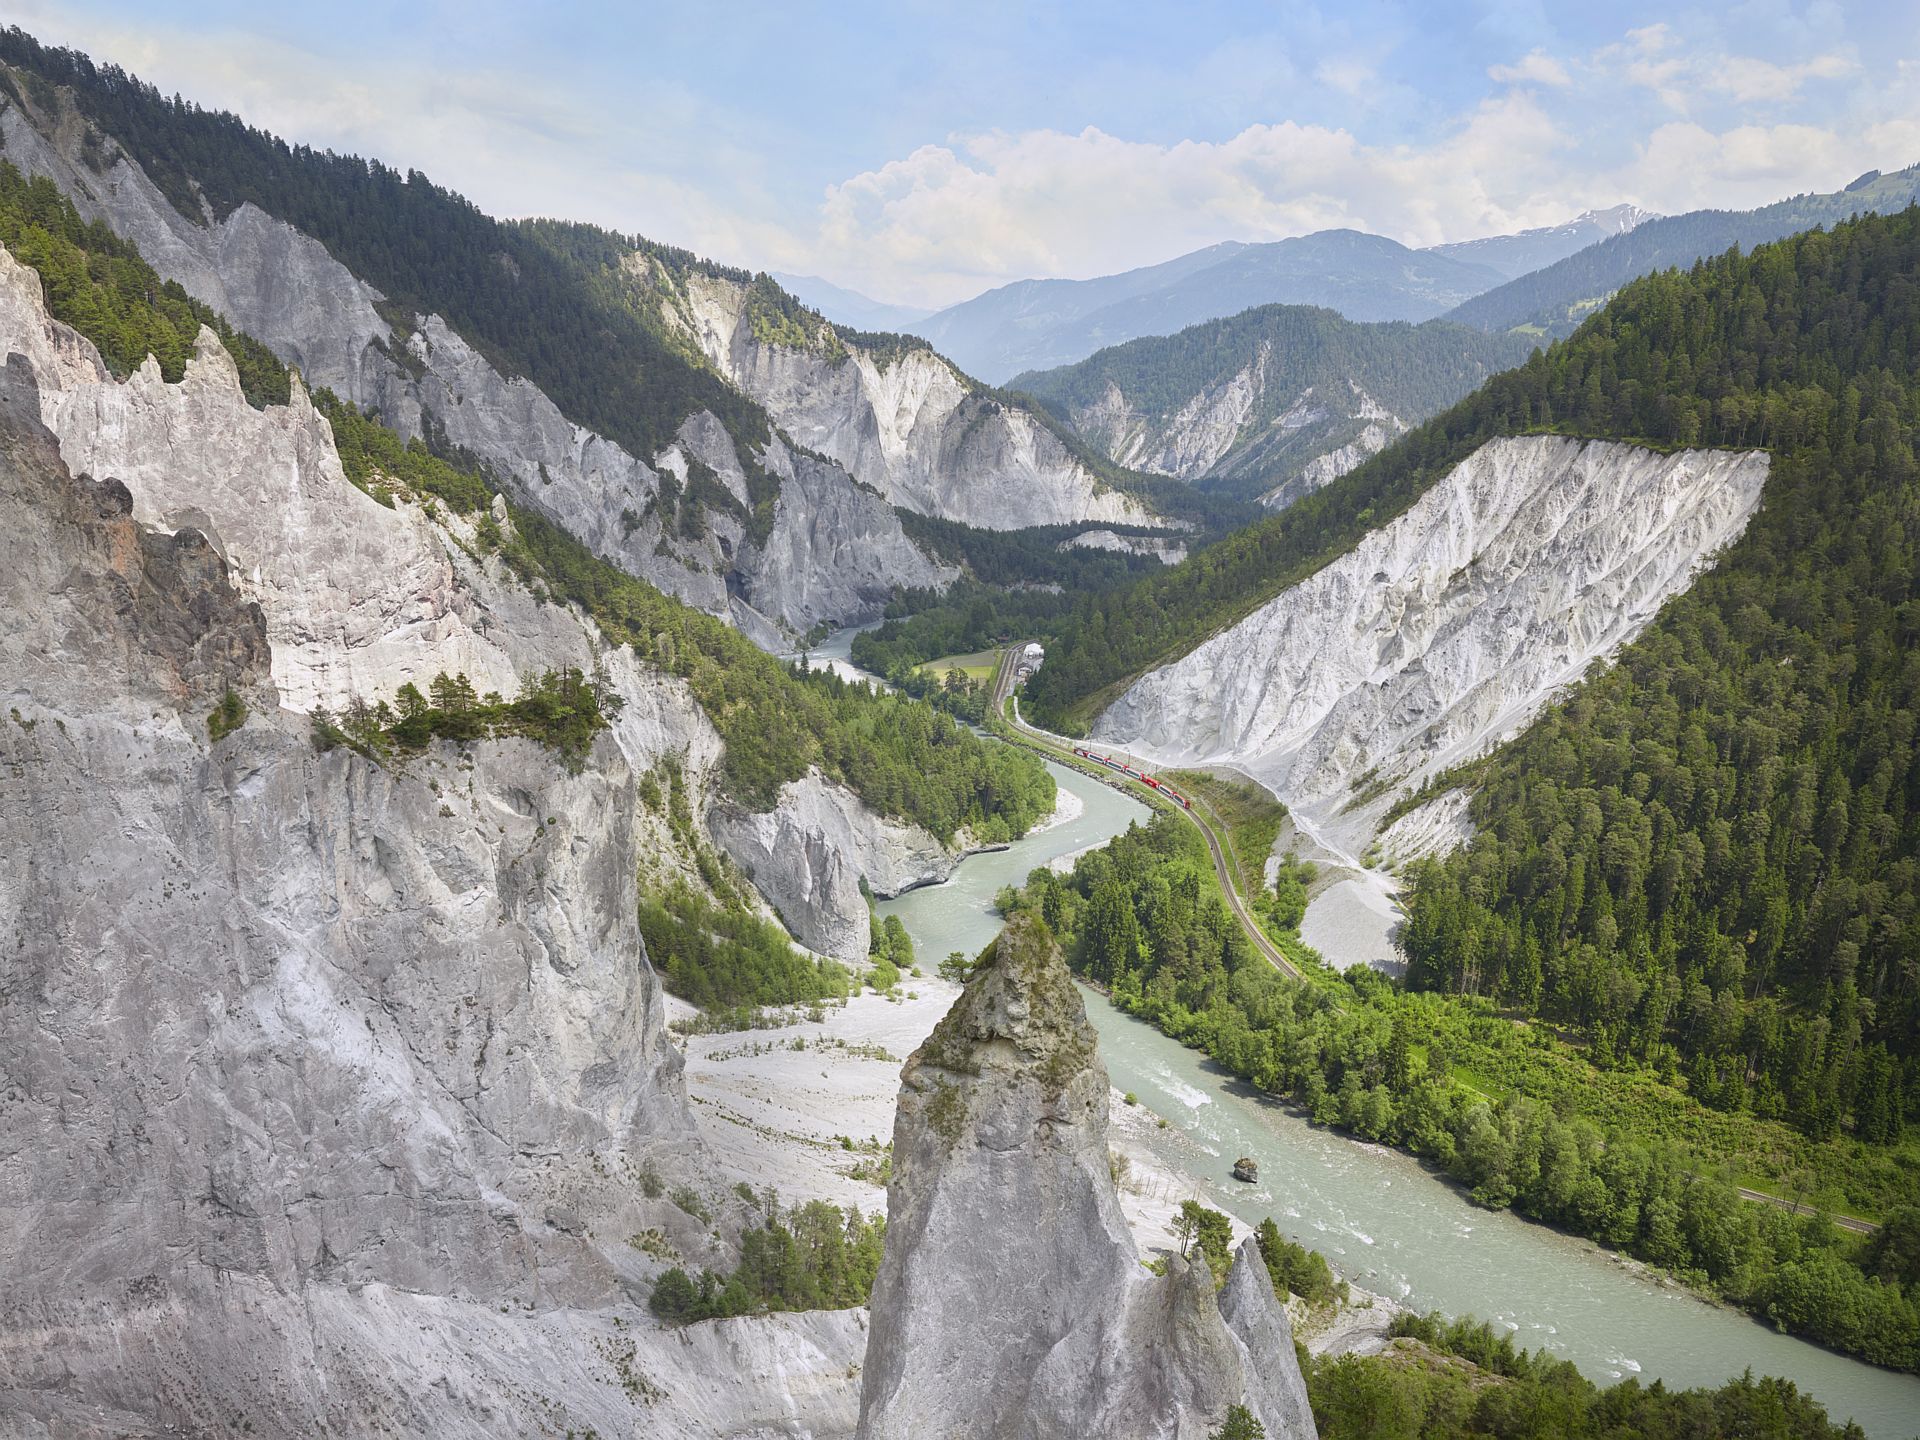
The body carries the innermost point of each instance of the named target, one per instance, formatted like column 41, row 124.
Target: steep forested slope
column 1553, row 300
column 1713, row 848
column 1676, row 359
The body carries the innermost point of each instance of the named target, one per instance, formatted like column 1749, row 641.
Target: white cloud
column 1749, row 80
column 1683, row 165
column 950, row 219
column 1537, row 68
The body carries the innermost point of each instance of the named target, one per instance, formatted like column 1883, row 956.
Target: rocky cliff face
column 1240, row 426
column 285, row 289
column 902, row 420
column 1279, row 400
column 1011, row 1301
column 1446, row 630
column 360, row 598
column 327, row 1082
column 809, row 853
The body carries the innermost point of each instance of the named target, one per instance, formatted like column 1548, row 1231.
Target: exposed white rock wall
column 836, row 551
column 360, row 599
column 329, row 1083
column 809, row 854
column 908, row 425
column 1448, row 629
column 1011, row 1303
column 282, row 287
column 1168, row 552
column 1439, row 827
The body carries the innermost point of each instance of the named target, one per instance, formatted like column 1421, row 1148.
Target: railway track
column 1059, row 748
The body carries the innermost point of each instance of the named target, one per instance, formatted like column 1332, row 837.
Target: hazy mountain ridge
column 1528, row 250
column 1279, row 399
column 1555, row 299
column 1041, row 324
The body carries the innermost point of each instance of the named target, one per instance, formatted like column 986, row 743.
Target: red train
column 1140, row 775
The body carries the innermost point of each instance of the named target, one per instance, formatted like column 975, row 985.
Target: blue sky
column 922, row 152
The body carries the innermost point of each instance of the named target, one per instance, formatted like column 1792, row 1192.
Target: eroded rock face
column 285, row 1029
column 1011, row 1301
column 283, row 287
column 1446, row 630
column 808, row 854
column 906, row 423
column 360, row 599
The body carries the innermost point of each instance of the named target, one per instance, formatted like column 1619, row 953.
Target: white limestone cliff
column 1011, row 1303
column 1446, row 630
column 329, row 1082
column 904, row 422
column 809, row 854
column 283, row 287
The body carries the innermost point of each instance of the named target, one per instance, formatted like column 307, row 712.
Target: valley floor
column 808, row 1109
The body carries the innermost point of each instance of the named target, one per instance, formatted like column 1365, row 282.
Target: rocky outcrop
column 360, row 599
column 809, row 854
column 317, row 1069
column 902, row 420
column 283, row 287
column 1011, row 1301
column 1279, row 400
column 1167, row 552
column 1446, row 630
column 836, row 551
column 1372, row 429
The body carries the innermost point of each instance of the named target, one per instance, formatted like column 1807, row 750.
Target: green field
column 980, row 665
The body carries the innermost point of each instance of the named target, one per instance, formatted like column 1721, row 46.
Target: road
column 1060, row 749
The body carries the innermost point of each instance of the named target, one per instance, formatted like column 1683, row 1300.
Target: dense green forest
column 1727, row 354
column 727, row 959
column 1461, row 1379
column 1554, row 299
column 1708, row 859
column 1413, row 370
column 1144, row 918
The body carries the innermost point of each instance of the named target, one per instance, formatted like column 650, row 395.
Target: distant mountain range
column 1553, row 300
column 1518, row 254
column 850, row 307
column 1039, row 324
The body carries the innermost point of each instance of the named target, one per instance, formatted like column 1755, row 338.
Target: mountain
column 849, row 307
column 564, row 359
column 1040, row 324
column 1528, row 250
column 1553, row 300
column 380, row 767
column 1613, row 660
column 1277, row 400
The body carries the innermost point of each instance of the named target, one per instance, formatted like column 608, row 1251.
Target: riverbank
column 808, row 1110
